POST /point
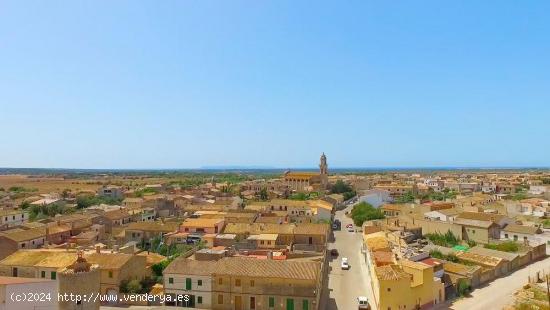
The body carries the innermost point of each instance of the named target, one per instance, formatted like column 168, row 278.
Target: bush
column 83, row 202
column 134, row 287
column 446, row 240
column 342, row 188
column 158, row 268
column 363, row 211
column 508, row 246
column 438, row 254
column 463, row 289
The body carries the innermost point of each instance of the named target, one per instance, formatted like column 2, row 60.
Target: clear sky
column 185, row 84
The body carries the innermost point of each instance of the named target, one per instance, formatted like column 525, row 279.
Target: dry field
column 46, row 184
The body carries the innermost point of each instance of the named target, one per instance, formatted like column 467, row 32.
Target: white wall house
column 182, row 277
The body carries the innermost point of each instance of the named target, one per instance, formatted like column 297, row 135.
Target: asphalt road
column 344, row 286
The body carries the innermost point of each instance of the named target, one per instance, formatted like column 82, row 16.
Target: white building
column 9, row 218
column 375, row 197
column 445, row 215
column 12, row 288
column 192, row 279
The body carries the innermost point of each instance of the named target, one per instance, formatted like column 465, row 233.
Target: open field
column 46, row 184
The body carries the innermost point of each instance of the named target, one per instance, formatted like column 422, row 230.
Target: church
column 304, row 181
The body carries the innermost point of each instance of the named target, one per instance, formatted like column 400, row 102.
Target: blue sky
column 185, row 84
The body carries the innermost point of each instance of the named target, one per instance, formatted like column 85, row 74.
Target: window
column 237, row 282
column 110, row 273
column 171, row 280
column 506, row 236
column 389, row 289
column 43, row 274
column 220, row 281
column 252, row 283
column 187, row 283
column 252, row 303
column 220, row 299
column 271, row 302
column 305, row 304
column 199, row 299
column 53, row 275
column 199, row 282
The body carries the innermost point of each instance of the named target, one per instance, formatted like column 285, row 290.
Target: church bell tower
column 323, row 167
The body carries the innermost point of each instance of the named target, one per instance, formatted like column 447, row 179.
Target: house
column 117, row 267
column 110, row 191
column 445, row 215
column 116, row 218
column 132, row 203
column 43, row 264
column 264, row 283
column 410, row 285
column 12, row 217
column 200, row 225
column 190, row 277
column 13, row 286
column 530, row 234
column 144, row 232
column 478, row 230
column 311, row 234
column 11, row 241
column 263, row 241
column 391, row 210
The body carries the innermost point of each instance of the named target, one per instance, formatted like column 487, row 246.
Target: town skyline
column 272, row 84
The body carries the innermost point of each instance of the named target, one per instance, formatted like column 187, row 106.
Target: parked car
column 334, row 252
column 344, row 265
column 350, row 229
column 363, row 303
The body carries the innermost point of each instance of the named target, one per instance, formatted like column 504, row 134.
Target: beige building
column 308, row 181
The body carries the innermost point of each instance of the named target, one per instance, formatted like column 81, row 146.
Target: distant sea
column 264, row 170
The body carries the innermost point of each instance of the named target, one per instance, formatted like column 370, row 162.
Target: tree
column 340, row 187
column 131, row 287
column 264, row 194
column 406, row 198
column 65, row 193
column 363, row 211
column 25, row 205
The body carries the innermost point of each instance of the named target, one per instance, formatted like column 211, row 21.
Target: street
column 344, row 286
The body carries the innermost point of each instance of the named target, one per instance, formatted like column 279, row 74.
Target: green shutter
column 271, row 302
column 305, row 304
column 188, row 283
column 53, row 275
column 290, row 304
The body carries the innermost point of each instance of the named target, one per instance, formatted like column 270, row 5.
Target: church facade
column 303, row 181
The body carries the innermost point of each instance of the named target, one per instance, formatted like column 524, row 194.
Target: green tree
column 25, row 205
column 264, row 194
column 406, row 198
column 133, row 287
column 363, row 211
